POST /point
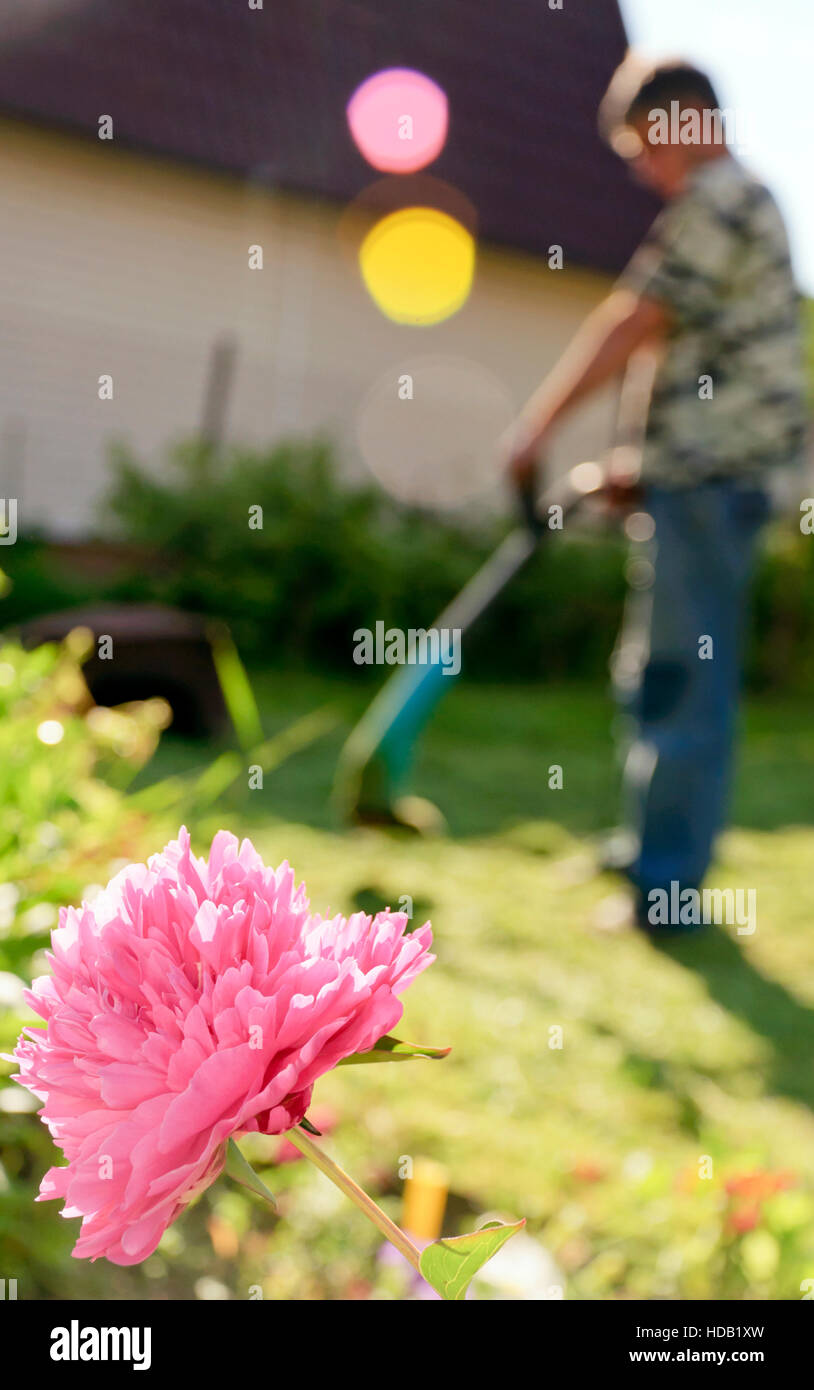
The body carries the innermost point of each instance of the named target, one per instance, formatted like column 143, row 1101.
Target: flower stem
column 357, row 1195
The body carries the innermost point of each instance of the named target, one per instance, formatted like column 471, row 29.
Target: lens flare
column 586, row 477
column 50, row 731
column 640, row 526
column 429, row 430
column 418, row 265
column 398, row 119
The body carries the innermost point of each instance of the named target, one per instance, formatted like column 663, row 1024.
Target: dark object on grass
column 151, row 651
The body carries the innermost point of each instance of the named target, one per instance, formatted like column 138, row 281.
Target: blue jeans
column 677, row 675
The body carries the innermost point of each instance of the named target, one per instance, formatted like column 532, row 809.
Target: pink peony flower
column 192, row 1001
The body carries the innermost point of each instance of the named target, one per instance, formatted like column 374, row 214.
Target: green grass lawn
column 697, row 1056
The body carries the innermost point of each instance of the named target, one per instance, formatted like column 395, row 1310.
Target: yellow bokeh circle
column 418, row 265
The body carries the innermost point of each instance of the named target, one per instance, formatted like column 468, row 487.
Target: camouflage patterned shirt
column 729, row 394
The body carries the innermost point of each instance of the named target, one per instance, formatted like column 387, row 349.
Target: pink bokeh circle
column 398, row 119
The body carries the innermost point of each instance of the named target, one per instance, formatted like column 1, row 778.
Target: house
column 144, row 148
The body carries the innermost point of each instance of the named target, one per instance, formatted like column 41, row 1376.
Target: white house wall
column 113, row 263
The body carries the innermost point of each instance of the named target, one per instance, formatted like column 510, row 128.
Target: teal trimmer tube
column 376, row 761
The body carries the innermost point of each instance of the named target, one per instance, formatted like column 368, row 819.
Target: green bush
column 332, row 557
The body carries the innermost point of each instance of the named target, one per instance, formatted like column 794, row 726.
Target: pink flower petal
column 193, row 1000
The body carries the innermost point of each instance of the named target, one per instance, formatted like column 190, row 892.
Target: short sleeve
column 685, row 259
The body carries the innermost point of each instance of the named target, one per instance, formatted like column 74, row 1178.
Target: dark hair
column 672, row 82
column 637, row 88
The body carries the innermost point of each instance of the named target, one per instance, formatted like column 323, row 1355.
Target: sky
column 760, row 56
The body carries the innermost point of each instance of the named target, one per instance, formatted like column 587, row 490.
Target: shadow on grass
column 764, row 1005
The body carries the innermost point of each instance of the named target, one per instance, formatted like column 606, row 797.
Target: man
column 711, row 291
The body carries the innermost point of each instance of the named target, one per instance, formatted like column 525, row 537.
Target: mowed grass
column 605, row 1088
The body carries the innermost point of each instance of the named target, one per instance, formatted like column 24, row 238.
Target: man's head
column 665, row 119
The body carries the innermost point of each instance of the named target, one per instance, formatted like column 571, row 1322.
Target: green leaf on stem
column 240, row 1170
column 389, row 1049
column 449, row 1265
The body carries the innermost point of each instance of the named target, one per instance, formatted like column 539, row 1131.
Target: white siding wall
column 115, row 263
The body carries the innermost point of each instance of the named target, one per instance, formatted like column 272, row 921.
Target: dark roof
column 213, row 82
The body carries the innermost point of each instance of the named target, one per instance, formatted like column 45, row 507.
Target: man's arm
column 622, row 323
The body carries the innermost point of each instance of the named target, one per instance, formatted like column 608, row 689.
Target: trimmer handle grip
column 527, row 499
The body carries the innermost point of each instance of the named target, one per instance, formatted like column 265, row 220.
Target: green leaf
column 450, row 1264
column 237, row 690
column 240, row 1170
column 389, row 1049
